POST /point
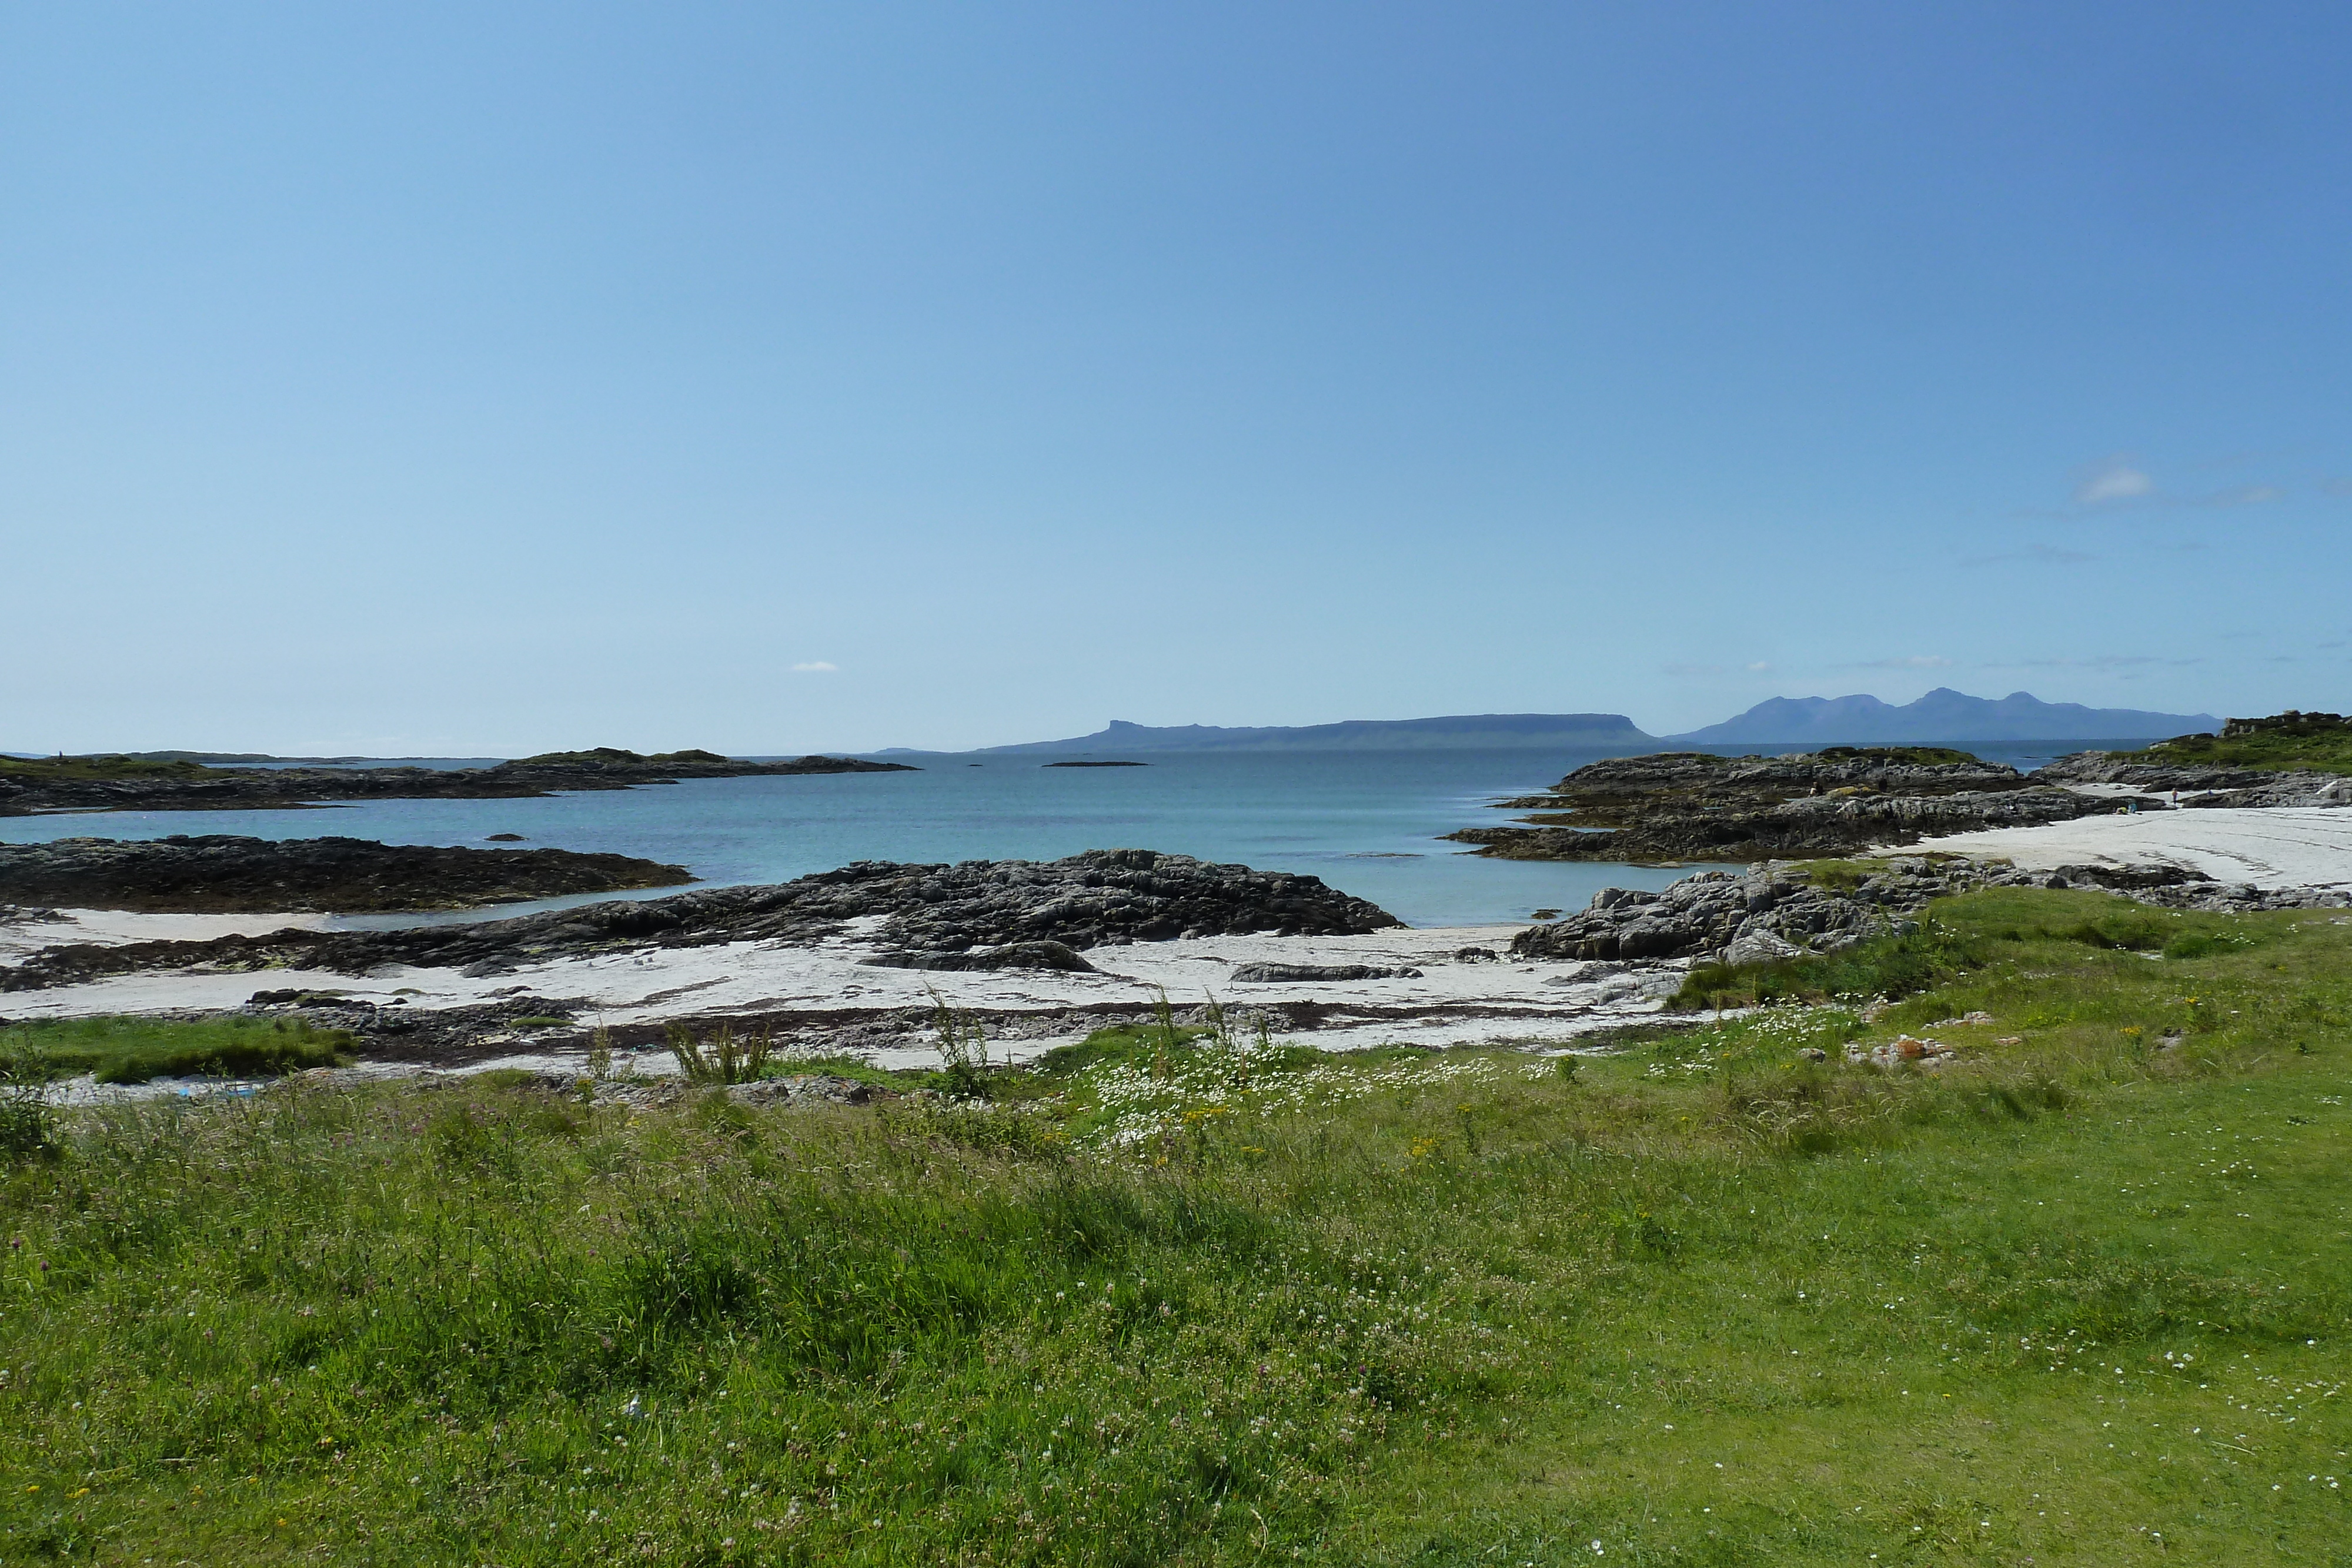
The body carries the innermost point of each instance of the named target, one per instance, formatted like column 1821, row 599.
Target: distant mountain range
column 1548, row 731
column 1943, row 715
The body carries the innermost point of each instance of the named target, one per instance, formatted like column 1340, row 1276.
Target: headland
column 124, row 783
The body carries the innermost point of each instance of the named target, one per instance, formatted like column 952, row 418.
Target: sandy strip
column 2269, row 847
column 1452, row 1001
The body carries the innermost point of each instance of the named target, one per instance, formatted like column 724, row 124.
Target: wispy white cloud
column 2110, row 480
column 1914, row 662
column 816, row 667
column 1760, row 668
column 2120, row 481
column 2048, row 554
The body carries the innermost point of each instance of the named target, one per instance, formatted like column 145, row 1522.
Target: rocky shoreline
column 1676, row 807
column 28, row 787
column 1696, row 806
column 849, row 961
column 821, row 967
column 220, row 874
column 976, row 914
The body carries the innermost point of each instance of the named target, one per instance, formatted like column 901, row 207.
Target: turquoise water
column 1363, row 822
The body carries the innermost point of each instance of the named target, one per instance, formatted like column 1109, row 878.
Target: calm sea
column 1367, row 822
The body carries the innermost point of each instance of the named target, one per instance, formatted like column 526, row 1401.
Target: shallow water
column 1367, row 822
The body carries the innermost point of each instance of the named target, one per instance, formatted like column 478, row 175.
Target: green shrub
column 963, row 1051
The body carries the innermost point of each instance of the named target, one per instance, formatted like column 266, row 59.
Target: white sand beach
column 2271, row 847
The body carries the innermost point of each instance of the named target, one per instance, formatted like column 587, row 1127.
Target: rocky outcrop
column 220, row 874
column 128, row 784
column 1091, row 900
column 2152, row 777
column 1686, row 806
column 2285, row 790
column 1275, row 974
column 1772, row 912
column 2204, row 784
column 2176, row 887
column 1780, row 911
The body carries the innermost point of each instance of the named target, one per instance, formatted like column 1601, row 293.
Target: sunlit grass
column 1707, row 1302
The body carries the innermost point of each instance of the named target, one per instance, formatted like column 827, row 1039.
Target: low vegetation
column 2313, row 742
column 2081, row 1296
column 135, row 1050
column 1921, row 755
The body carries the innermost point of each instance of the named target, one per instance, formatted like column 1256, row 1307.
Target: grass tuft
column 725, row 1058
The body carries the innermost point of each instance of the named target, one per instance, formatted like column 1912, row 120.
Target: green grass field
column 2081, row 1298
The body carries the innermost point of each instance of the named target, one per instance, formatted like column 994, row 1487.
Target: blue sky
column 488, row 378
